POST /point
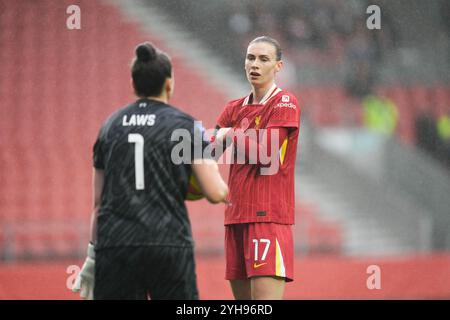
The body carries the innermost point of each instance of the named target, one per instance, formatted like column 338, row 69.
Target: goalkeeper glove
column 84, row 282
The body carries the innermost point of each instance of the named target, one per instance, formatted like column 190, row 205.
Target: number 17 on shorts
column 271, row 250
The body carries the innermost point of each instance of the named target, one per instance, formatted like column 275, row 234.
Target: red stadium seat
column 421, row 99
column 441, row 100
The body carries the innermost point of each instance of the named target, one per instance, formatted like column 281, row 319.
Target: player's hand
column 84, row 282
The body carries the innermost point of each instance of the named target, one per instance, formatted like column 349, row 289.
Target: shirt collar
column 270, row 93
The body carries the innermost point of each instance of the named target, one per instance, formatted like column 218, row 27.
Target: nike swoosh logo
column 256, row 265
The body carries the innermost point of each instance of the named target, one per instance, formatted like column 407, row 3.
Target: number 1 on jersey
column 138, row 141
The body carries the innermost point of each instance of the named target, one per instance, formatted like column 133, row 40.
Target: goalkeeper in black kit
column 141, row 240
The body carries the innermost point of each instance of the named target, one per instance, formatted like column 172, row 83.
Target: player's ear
column 279, row 66
column 169, row 86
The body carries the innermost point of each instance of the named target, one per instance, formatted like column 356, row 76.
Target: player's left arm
column 263, row 144
column 223, row 126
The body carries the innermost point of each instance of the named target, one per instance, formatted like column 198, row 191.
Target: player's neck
column 162, row 98
column 159, row 99
column 260, row 92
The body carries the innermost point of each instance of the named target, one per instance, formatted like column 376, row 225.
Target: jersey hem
column 230, row 222
column 144, row 245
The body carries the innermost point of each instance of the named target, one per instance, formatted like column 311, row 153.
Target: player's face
column 261, row 64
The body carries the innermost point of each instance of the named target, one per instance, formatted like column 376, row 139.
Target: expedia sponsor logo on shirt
column 286, row 105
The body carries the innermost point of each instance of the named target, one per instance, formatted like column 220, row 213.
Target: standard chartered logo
column 190, row 147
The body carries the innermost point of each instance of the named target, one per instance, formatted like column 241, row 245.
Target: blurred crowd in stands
column 334, row 32
column 322, row 32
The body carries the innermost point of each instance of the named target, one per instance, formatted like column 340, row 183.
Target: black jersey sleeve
column 98, row 158
column 99, row 149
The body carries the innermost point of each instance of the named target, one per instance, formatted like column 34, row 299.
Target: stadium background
column 370, row 191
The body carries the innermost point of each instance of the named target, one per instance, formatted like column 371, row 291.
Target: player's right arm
column 98, row 178
column 223, row 127
column 84, row 283
column 207, row 173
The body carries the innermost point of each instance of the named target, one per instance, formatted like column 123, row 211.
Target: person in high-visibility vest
column 443, row 131
column 443, row 127
column 380, row 114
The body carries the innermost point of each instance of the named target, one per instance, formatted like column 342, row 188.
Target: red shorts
column 259, row 249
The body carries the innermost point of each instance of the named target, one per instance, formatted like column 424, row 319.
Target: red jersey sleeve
column 285, row 112
column 224, row 120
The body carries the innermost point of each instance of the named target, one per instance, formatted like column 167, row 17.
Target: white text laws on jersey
column 139, row 120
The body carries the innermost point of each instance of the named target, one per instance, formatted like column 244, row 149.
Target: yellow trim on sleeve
column 283, row 150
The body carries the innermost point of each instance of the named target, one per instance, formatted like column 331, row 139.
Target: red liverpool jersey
column 255, row 197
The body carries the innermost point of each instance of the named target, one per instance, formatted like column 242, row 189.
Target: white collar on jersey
column 269, row 95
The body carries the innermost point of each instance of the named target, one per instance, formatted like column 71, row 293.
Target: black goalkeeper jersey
column 144, row 189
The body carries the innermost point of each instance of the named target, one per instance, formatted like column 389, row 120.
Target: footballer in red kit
column 259, row 244
column 257, row 197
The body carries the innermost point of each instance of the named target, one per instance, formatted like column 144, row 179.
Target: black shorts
column 142, row 273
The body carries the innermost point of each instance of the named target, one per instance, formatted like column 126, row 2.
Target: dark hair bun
column 145, row 52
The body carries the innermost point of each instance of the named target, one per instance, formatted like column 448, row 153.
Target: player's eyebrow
column 250, row 55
